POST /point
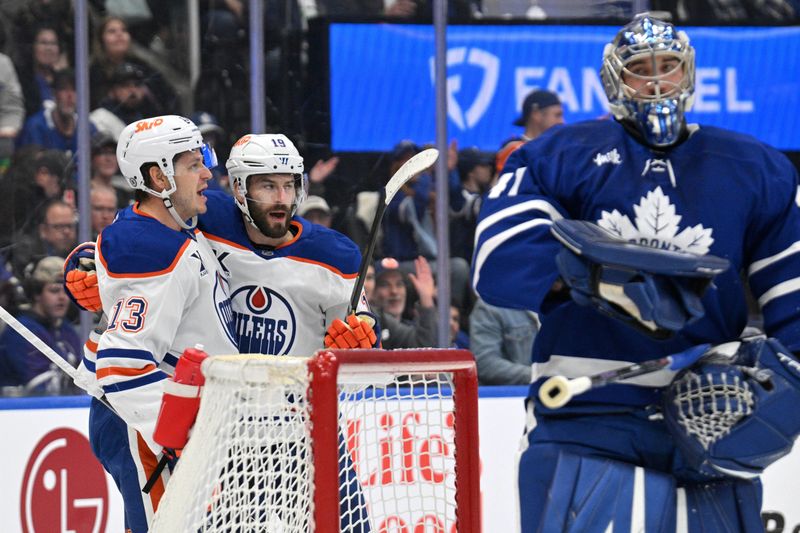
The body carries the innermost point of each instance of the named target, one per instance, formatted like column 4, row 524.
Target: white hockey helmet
column 157, row 140
column 265, row 154
column 660, row 116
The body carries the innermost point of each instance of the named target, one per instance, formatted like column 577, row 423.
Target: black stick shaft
column 162, row 463
column 366, row 259
column 630, row 371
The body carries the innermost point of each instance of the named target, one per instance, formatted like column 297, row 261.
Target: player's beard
column 259, row 212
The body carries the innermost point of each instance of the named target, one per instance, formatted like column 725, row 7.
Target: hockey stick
column 410, row 168
column 558, row 390
column 48, row 352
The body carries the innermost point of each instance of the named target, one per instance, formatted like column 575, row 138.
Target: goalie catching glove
column 657, row 291
column 360, row 331
column 80, row 278
column 735, row 412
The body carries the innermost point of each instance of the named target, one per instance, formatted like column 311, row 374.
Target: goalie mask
column 265, row 154
column 158, row 140
column 648, row 75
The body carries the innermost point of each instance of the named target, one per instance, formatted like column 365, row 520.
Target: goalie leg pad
column 732, row 506
column 591, row 495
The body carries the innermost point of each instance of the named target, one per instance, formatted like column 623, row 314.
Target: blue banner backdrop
column 381, row 82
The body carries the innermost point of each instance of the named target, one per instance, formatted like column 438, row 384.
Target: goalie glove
column 360, row 331
column 80, row 278
column 657, row 291
column 181, row 401
column 735, row 411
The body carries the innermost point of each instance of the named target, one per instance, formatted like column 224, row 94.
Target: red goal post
column 345, row 441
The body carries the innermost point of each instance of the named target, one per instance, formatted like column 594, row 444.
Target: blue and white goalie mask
column 648, row 75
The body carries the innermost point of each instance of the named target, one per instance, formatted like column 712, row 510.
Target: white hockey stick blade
column 38, row 343
column 558, row 390
column 410, row 168
column 90, row 387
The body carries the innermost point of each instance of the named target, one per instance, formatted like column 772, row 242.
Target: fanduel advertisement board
column 381, row 81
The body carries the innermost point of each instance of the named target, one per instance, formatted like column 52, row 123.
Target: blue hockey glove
column 735, row 412
column 657, row 291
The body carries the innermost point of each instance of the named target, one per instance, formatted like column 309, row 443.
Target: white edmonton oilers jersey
column 162, row 291
column 284, row 298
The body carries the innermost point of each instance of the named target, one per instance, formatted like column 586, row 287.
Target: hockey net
column 348, row 440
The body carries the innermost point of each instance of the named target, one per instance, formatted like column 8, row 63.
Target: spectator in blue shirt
column 21, row 364
column 55, row 127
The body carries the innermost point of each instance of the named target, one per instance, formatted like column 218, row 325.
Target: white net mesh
column 247, row 466
column 708, row 405
column 400, row 438
column 249, row 463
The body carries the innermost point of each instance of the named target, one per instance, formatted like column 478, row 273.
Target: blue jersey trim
column 90, row 365
column 139, row 244
column 316, row 243
column 324, row 245
column 141, row 355
column 135, row 383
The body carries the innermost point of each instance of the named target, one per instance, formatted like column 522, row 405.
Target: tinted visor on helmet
column 209, row 156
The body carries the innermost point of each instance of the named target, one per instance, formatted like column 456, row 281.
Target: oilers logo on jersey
column 267, row 324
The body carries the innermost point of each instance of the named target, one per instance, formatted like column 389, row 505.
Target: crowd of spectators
column 132, row 76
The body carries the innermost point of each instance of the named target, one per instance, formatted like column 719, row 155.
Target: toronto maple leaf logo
column 656, row 225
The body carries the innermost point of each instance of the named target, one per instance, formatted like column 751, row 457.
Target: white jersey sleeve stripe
column 763, row 263
column 489, row 246
column 531, row 205
column 781, row 289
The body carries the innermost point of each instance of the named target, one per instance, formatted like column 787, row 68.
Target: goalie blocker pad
column 735, row 415
column 657, row 291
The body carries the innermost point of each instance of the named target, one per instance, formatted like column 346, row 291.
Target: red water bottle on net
column 181, row 400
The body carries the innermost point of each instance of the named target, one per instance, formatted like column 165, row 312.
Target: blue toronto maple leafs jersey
column 718, row 192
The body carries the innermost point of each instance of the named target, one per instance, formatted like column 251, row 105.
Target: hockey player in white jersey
column 163, row 291
column 290, row 280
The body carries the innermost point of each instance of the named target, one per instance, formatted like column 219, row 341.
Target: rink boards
column 51, row 482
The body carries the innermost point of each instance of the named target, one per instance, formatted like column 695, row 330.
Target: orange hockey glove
column 360, row 331
column 80, row 278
